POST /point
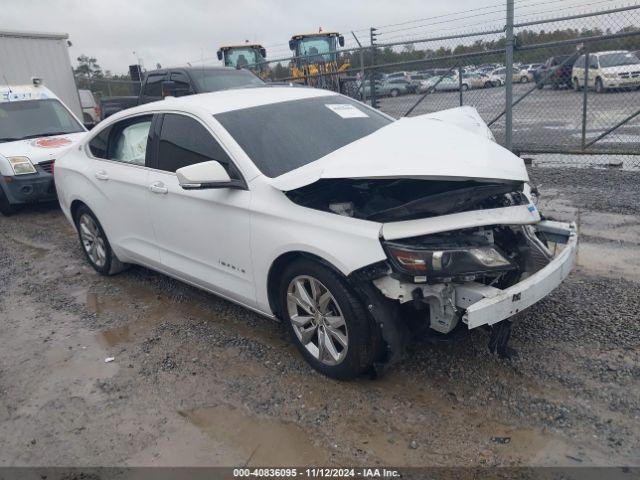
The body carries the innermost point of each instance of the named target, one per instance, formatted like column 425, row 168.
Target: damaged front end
column 466, row 257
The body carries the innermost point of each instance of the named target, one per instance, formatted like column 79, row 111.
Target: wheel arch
column 277, row 268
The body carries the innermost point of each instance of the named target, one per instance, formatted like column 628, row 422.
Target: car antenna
column 7, row 82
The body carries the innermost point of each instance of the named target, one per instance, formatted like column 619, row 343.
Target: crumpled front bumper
column 485, row 305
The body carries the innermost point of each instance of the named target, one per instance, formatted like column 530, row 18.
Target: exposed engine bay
column 388, row 200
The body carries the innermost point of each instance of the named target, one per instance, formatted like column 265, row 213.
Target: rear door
column 203, row 235
column 119, row 175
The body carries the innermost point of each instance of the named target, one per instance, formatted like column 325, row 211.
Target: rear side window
column 185, row 141
column 125, row 141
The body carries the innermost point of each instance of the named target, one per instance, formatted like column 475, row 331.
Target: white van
column 613, row 69
column 35, row 129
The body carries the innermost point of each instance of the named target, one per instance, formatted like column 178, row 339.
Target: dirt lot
column 199, row 381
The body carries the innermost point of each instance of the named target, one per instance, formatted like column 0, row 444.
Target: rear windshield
column 213, row 80
column 284, row 136
column 35, row 118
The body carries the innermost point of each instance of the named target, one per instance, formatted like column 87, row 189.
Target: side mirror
column 219, row 53
column 341, row 41
column 292, row 45
column 203, row 175
column 263, row 52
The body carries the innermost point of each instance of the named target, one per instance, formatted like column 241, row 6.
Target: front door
column 203, row 235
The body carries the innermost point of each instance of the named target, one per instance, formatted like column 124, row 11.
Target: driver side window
column 184, row 141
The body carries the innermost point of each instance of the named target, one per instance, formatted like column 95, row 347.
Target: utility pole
column 372, row 81
column 508, row 81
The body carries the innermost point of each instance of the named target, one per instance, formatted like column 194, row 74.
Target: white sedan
column 308, row 206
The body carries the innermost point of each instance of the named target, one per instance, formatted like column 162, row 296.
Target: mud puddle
column 138, row 310
column 262, row 441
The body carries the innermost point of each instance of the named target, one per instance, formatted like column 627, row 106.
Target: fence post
column 372, row 80
column 508, row 81
column 584, row 97
column 362, row 79
column 460, row 83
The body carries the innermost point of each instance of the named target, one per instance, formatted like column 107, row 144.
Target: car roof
column 228, row 100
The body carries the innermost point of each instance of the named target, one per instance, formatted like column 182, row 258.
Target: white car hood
column 448, row 145
column 42, row 148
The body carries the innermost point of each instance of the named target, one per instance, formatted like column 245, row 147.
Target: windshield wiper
column 35, row 135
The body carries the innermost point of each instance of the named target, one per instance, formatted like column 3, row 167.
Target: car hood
column 448, row 145
column 41, row 149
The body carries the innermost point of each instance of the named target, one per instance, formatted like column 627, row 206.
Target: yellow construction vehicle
column 251, row 56
column 317, row 62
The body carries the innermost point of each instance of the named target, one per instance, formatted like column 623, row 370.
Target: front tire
column 394, row 92
column 326, row 320
column 95, row 244
column 599, row 86
column 5, row 207
column 524, row 79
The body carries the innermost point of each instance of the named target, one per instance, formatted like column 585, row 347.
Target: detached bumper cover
column 495, row 305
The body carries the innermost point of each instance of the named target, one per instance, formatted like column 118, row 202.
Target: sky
column 171, row 33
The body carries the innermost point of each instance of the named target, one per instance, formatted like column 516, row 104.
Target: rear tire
column 524, row 79
column 576, row 84
column 465, row 87
column 394, row 92
column 5, row 207
column 95, row 244
column 320, row 308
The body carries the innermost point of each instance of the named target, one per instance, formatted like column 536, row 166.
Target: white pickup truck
column 35, row 129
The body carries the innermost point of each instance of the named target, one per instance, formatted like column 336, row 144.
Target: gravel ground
column 196, row 380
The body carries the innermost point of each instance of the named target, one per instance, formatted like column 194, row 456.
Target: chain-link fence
column 524, row 71
column 526, row 79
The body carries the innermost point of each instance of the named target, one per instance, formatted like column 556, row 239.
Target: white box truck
column 24, row 55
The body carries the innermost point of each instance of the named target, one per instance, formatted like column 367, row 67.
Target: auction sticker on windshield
column 345, row 110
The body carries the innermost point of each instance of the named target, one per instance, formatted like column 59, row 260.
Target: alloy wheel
column 92, row 240
column 317, row 320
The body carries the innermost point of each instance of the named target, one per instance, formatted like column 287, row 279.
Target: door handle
column 101, row 175
column 158, row 187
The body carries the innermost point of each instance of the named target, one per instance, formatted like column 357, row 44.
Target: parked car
column 447, row 84
column 90, row 108
column 335, row 235
column 476, row 80
column 178, row 82
column 607, row 70
column 390, row 88
column 497, row 76
column 398, row 76
column 35, row 129
column 556, row 71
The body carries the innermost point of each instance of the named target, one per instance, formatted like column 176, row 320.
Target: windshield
column 35, row 118
column 208, row 80
column 281, row 137
column 241, row 57
column 317, row 47
column 617, row 59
